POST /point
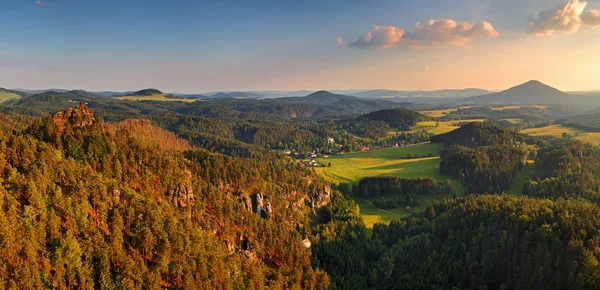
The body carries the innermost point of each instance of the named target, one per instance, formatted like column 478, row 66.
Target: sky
column 201, row 46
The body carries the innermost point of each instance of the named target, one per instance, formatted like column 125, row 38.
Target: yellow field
column 514, row 121
column 441, row 113
column 435, row 127
column 558, row 130
column 553, row 130
column 155, row 97
column 592, row 137
column 4, row 96
column 517, row 107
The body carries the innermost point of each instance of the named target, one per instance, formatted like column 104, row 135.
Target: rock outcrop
column 78, row 117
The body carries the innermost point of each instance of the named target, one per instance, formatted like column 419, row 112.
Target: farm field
column 442, row 113
column 552, row 130
column 514, row 121
column 4, row 96
column 155, row 97
column 592, row 137
column 388, row 162
column 557, row 130
column 517, row 107
column 444, row 127
column 391, row 161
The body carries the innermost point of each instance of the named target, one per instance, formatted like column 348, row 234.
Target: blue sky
column 197, row 46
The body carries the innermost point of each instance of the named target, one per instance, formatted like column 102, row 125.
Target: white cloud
column 591, row 18
column 433, row 32
column 379, row 37
column 562, row 18
column 38, row 2
column 450, row 32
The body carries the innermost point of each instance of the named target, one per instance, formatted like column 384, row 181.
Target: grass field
column 388, row 162
column 553, row 130
column 155, row 97
column 441, row 113
column 392, row 161
column 516, row 186
column 592, row 137
column 515, row 121
column 558, row 130
column 4, row 96
column 517, row 107
column 430, row 126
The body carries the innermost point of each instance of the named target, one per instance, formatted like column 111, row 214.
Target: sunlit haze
column 195, row 46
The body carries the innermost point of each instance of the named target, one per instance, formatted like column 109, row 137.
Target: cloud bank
column 567, row 18
column 379, row 37
column 450, row 32
column 433, row 32
column 591, row 18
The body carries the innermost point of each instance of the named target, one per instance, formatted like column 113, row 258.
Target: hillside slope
column 529, row 93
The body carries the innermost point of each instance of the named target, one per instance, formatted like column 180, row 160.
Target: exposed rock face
column 78, row 117
column 181, row 195
column 259, row 204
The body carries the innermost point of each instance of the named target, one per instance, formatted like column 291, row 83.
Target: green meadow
column 388, row 162
column 4, row 96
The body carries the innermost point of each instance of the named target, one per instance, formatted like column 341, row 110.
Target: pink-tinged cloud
column 450, row 32
column 591, row 18
column 340, row 42
column 562, row 18
column 379, row 37
column 433, row 32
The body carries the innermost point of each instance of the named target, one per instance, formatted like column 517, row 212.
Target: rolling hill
column 476, row 134
column 236, row 95
column 394, row 117
column 529, row 93
column 146, row 92
column 391, row 94
column 6, row 94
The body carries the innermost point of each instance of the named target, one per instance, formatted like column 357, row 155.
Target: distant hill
column 236, row 95
column 113, row 93
column 146, row 92
column 318, row 98
column 396, row 117
column 479, row 134
column 465, row 93
column 32, row 92
column 331, row 104
column 529, row 93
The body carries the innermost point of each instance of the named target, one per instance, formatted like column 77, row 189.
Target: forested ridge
column 92, row 205
column 142, row 204
column 488, row 169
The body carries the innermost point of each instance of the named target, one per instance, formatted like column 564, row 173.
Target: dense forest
column 479, row 134
column 147, row 195
column 477, row 242
column 87, row 204
column 488, row 169
column 565, row 170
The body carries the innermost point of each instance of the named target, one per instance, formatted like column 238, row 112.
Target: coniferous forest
column 142, row 204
